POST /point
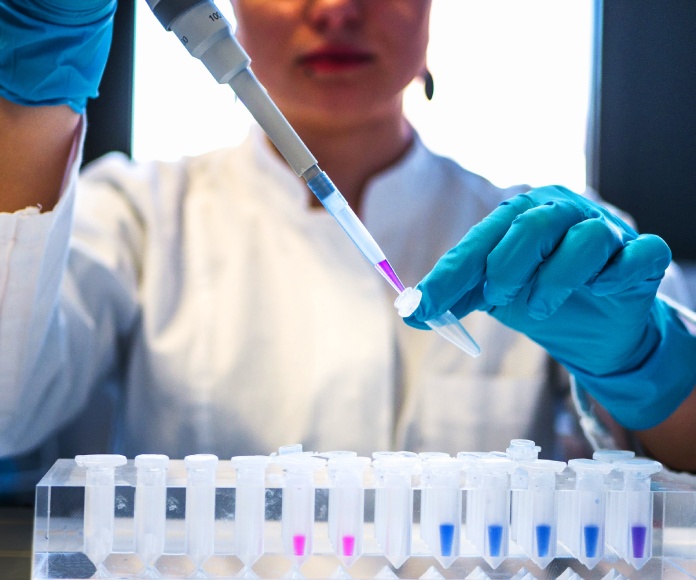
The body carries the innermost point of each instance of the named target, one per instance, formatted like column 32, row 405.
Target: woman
column 209, row 305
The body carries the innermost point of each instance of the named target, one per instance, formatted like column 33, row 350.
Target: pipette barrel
column 100, row 490
column 150, row 506
column 250, row 506
column 200, row 506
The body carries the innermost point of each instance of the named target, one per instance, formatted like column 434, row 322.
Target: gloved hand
column 53, row 52
column 581, row 283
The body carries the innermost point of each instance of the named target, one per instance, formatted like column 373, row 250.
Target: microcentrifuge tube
column 394, row 508
column 633, row 541
column 250, row 506
column 537, row 515
column 584, row 530
column 613, row 482
column 446, row 325
column 100, row 491
column 200, row 506
column 150, row 514
column 474, row 500
column 519, row 450
column 495, row 508
column 347, row 506
column 297, row 525
column 441, row 507
column 425, row 512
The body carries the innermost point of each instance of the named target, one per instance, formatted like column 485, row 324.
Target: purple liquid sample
column 446, row 539
column 638, row 535
column 495, row 539
column 348, row 545
column 543, row 538
column 298, row 544
column 591, row 541
column 388, row 272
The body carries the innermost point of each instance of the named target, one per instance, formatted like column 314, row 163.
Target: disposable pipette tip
column 446, row 325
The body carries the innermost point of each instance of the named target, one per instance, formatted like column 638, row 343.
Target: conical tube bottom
column 447, row 326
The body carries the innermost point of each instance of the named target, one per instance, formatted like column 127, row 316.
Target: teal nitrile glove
column 581, row 283
column 53, row 52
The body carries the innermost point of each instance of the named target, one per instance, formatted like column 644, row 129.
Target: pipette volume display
column 207, row 36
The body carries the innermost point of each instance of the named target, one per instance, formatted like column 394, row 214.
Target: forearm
column 34, row 153
column 673, row 440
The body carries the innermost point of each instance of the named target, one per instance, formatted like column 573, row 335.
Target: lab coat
column 202, row 305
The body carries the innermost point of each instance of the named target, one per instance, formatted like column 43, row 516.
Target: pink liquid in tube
column 298, row 544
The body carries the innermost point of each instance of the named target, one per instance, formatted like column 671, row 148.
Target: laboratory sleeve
column 62, row 306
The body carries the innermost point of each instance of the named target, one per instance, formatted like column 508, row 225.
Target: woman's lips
column 335, row 60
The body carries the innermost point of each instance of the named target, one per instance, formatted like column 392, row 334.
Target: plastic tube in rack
column 394, row 504
column 614, row 486
column 297, row 520
column 519, row 450
column 441, row 507
column 495, row 508
column 347, row 506
column 585, row 516
column 633, row 540
column 250, row 507
column 425, row 512
column 100, row 489
column 537, row 514
column 150, row 513
column 200, row 506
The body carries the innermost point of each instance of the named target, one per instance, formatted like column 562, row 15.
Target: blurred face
column 335, row 61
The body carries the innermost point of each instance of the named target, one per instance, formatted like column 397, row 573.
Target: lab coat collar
column 408, row 169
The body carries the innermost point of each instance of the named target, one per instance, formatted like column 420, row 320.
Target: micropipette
column 207, row 35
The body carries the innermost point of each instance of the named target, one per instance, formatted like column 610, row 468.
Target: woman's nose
column 328, row 14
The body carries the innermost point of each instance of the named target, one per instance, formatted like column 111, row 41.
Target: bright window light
column 512, row 87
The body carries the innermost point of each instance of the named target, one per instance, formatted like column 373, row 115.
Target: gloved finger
column 641, row 260
column 580, row 256
column 463, row 267
column 532, row 238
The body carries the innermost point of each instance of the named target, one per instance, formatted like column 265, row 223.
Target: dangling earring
column 429, row 84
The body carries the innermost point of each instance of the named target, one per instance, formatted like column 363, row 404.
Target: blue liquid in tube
column 591, row 539
column 638, row 534
column 543, row 537
column 495, row 539
column 446, row 539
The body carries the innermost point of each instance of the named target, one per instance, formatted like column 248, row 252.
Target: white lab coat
column 204, row 306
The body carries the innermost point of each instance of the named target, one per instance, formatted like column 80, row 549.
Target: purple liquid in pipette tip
column 387, row 271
